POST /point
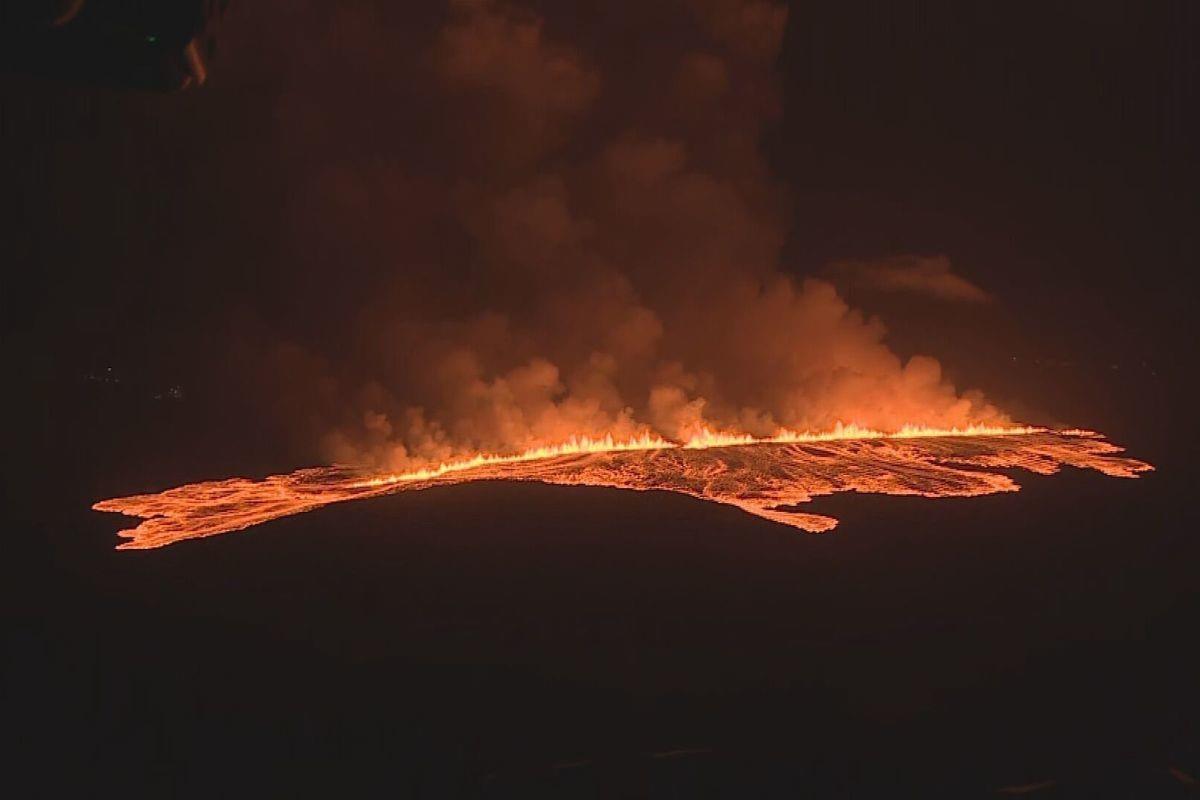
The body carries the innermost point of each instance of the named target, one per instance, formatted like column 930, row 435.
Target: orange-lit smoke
column 590, row 247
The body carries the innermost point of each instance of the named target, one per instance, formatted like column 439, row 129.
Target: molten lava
column 766, row 477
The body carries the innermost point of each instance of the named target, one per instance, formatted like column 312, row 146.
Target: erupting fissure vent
column 765, row 477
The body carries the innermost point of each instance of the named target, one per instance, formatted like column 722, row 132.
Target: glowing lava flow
column 766, row 477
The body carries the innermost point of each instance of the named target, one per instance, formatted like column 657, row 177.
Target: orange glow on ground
column 766, row 477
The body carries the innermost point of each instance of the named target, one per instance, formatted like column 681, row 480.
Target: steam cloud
column 931, row 276
column 581, row 234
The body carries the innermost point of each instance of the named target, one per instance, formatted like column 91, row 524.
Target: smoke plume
column 579, row 232
column 929, row 276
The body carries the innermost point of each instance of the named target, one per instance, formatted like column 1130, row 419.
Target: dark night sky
column 1047, row 148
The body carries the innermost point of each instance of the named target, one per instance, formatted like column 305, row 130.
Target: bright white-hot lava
column 767, row 477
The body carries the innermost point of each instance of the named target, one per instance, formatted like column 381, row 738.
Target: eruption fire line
column 767, row 477
column 702, row 440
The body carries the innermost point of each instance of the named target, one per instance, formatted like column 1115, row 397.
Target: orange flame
column 573, row 446
column 701, row 440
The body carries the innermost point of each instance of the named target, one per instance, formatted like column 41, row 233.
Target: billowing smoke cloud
column 581, row 236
